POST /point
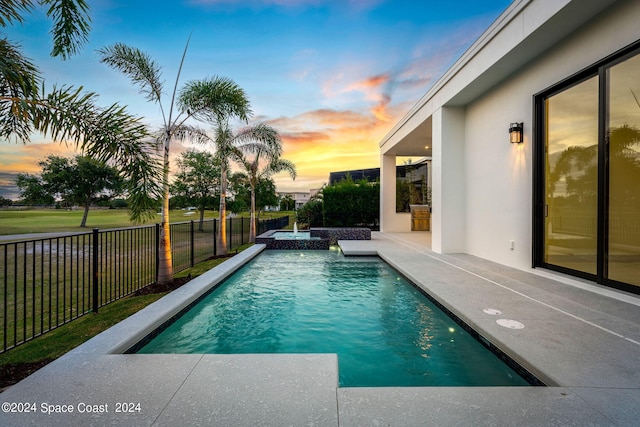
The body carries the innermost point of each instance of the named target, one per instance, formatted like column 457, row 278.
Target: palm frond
column 259, row 137
column 19, row 80
column 106, row 134
column 138, row 66
column 191, row 133
column 71, row 26
column 175, row 86
column 280, row 165
column 11, row 11
column 214, row 100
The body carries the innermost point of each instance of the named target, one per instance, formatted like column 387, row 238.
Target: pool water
column 291, row 235
column 384, row 331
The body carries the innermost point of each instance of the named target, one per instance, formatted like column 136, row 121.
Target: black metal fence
column 45, row 283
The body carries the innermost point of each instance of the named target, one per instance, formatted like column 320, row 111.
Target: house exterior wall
column 482, row 184
column 498, row 179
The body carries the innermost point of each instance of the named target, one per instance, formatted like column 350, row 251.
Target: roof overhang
column 519, row 35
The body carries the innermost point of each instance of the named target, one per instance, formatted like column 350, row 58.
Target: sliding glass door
column 588, row 174
column 571, row 166
column 623, row 138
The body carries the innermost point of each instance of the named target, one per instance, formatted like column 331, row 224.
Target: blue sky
column 332, row 77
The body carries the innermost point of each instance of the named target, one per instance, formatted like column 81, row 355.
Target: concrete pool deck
column 580, row 339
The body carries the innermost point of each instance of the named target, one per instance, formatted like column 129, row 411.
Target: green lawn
column 53, row 220
column 63, row 339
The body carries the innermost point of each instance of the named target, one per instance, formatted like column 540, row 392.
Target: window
column 412, row 186
column 587, row 184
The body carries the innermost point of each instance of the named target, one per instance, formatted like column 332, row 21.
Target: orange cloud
column 322, row 141
column 24, row 158
column 380, row 110
column 374, row 88
column 370, row 82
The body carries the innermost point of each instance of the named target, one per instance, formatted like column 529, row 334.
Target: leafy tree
column 287, row 203
column 310, row 215
column 33, row 191
column 259, row 157
column 197, row 180
column 239, row 187
column 265, row 193
column 81, row 181
column 209, row 99
column 5, row 202
column 118, row 204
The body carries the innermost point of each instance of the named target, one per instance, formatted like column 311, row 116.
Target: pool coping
column 127, row 333
column 596, row 386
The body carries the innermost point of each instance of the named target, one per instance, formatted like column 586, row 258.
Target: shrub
column 352, row 204
column 310, row 215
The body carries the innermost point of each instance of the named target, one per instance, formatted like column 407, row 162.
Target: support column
column 449, row 189
column 388, row 192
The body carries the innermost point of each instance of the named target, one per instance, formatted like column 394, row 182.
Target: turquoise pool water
column 291, row 235
column 385, row 332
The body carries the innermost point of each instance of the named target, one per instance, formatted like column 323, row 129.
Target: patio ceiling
column 415, row 143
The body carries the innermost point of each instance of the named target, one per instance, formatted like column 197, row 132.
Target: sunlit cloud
column 322, row 141
column 24, row 158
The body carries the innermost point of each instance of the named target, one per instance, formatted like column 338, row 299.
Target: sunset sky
column 332, row 76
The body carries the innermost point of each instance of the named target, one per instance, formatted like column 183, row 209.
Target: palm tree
column 205, row 99
column 66, row 113
column 259, row 139
column 232, row 102
column 259, row 155
column 71, row 22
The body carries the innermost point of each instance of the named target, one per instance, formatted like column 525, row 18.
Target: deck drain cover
column 511, row 324
column 492, row 311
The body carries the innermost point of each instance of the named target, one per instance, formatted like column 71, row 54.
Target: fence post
column 95, row 270
column 241, row 231
column 230, row 244
column 157, row 250
column 192, row 245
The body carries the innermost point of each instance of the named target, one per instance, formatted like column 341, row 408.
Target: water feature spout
column 295, row 228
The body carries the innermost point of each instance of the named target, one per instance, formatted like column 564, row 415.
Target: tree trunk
column 83, row 223
column 252, row 227
column 201, row 225
column 222, row 230
column 165, row 267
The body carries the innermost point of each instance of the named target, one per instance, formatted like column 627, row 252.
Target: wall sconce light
column 515, row 133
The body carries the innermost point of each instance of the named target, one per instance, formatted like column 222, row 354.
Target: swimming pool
column 384, row 331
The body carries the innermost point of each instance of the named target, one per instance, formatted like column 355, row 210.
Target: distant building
column 371, row 175
column 299, row 197
column 413, row 182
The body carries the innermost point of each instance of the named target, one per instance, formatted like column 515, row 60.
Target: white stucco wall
column 390, row 220
column 498, row 175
